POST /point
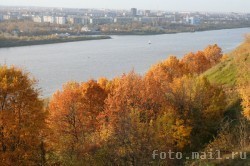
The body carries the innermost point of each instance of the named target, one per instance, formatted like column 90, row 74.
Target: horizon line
column 166, row 10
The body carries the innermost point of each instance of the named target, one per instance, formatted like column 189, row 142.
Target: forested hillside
column 199, row 103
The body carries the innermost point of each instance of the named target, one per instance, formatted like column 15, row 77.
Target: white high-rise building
column 60, row 20
column 37, row 19
column 49, row 19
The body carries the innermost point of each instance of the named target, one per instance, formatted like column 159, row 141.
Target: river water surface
column 55, row 64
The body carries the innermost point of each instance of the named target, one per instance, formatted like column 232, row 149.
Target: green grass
column 226, row 72
column 231, row 73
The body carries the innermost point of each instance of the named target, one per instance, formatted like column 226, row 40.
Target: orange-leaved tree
column 22, row 119
column 127, row 119
column 158, row 78
column 213, row 53
column 196, row 63
column 73, row 112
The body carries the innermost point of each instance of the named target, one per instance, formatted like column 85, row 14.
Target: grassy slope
column 226, row 74
column 223, row 73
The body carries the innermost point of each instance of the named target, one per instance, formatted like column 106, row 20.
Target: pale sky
column 169, row 5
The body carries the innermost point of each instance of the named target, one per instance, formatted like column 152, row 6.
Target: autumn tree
column 127, row 95
column 242, row 61
column 22, row 119
column 245, row 95
column 126, row 119
column 188, row 118
column 166, row 70
column 196, row 63
column 159, row 76
column 213, row 53
column 104, row 83
column 107, row 85
column 197, row 105
column 73, row 113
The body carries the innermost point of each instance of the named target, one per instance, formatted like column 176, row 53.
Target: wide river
column 55, row 64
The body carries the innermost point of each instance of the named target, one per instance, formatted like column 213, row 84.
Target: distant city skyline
column 168, row 5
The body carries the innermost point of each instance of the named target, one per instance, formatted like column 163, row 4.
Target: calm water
column 55, row 64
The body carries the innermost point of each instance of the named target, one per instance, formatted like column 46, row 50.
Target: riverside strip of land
column 26, row 32
column 26, row 41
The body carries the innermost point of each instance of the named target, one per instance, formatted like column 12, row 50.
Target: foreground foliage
column 22, row 119
column 173, row 107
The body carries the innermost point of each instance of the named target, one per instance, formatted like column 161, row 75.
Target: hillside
column 230, row 73
column 226, row 72
column 133, row 119
column 233, row 73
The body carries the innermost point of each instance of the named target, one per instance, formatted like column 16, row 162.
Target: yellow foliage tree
column 196, row 105
column 213, row 53
column 196, row 63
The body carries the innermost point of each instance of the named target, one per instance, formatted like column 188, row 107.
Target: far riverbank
column 17, row 42
column 170, row 31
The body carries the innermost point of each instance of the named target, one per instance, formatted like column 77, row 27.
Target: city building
column 147, row 13
column 38, row 19
column 147, row 20
column 133, row 12
column 192, row 20
column 85, row 29
column 49, row 19
column 1, row 17
column 85, row 20
column 60, row 20
column 170, row 18
column 123, row 20
column 99, row 21
column 6, row 17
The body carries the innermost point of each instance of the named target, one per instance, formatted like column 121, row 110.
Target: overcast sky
column 170, row 5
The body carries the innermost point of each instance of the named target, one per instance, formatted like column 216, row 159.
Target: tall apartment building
column 49, row 19
column 60, row 20
column 77, row 20
column 192, row 20
column 38, row 19
column 133, row 12
column 102, row 20
column 123, row 20
column 1, row 17
column 147, row 12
